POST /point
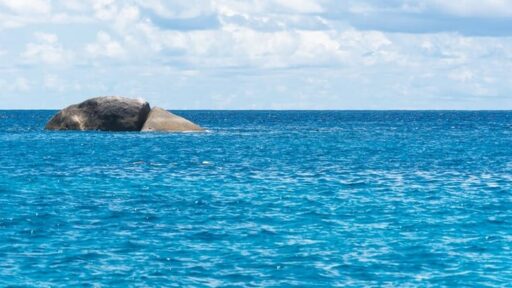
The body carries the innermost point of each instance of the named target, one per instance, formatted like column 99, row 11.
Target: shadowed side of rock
column 102, row 113
column 160, row 120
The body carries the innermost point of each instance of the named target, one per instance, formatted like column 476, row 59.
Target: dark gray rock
column 103, row 113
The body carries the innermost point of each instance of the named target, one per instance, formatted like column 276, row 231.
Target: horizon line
column 298, row 110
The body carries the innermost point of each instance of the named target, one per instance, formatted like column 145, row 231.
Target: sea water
column 263, row 199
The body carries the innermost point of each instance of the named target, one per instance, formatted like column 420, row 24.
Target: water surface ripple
column 273, row 199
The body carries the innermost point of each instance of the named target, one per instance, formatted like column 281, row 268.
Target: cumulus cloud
column 244, row 47
column 475, row 8
column 17, row 85
column 27, row 6
column 178, row 8
column 54, row 83
column 313, row 50
column 105, row 46
column 301, row 6
column 46, row 50
column 75, row 5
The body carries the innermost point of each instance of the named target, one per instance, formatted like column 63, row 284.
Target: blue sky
column 258, row 54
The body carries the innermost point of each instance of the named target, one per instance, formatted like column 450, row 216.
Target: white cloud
column 241, row 46
column 179, row 8
column 75, row 5
column 486, row 8
column 19, row 84
column 46, row 50
column 268, row 7
column 127, row 16
column 47, row 38
column 54, row 83
column 105, row 9
column 263, row 40
column 105, row 46
column 28, row 6
column 301, row 6
column 464, row 8
column 462, row 75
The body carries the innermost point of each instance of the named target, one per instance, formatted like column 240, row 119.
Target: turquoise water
column 274, row 199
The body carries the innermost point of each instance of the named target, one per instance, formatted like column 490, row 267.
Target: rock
column 118, row 114
column 102, row 113
column 161, row 120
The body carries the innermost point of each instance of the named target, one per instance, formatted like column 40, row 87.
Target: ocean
column 263, row 199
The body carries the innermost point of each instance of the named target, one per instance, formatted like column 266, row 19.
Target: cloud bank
column 258, row 54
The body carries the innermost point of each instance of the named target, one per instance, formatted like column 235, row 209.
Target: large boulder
column 102, row 113
column 160, row 120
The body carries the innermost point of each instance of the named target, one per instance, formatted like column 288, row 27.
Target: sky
column 258, row 54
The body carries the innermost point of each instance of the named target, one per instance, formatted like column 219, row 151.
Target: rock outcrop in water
column 162, row 120
column 118, row 114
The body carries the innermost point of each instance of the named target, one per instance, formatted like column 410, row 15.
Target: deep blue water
column 273, row 199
